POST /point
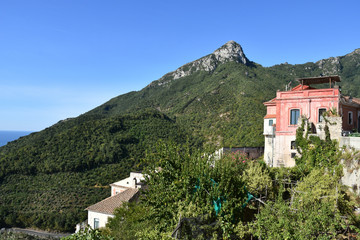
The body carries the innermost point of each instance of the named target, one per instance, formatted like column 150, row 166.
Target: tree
column 316, row 210
column 184, row 185
column 315, row 152
column 88, row 234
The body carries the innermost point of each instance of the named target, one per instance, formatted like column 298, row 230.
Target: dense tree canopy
column 49, row 178
column 192, row 196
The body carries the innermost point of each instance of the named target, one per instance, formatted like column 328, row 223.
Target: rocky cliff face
column 231, row 51
column 334, row 65
column 330, row 66
column 354, row 54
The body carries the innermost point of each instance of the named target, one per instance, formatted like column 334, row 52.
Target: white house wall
column 268, row 150
column 130, row 181
column 283, row 151
column 269, row 133
column 103, row 218
column 269, row 129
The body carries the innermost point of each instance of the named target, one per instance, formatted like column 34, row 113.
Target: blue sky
column 61, row 58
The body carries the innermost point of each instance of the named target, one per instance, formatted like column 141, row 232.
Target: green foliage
column 9, row 235
column 131, row 219
column 182, row 184
column 173, row 173
column 315, row 152
column 226, row 106
column 88, row 234
column 316, row 211
column 257, row 178
column 356, row 134
column 50, row 177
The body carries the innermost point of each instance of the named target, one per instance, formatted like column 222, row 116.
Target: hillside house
column 283, row 112
column 126, row 190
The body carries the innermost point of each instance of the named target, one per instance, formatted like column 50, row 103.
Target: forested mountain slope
column 221, row 98
column 48, row 177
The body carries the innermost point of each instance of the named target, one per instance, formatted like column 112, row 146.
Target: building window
column 321, row 114
column 293, row 145
column 350, row 118
column 96, row 223
column 294, row 115
column 271, row 122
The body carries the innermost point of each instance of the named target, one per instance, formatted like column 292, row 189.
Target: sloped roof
column 108, row 205
column 270, row 116
column 354, row 100
column 270, row 102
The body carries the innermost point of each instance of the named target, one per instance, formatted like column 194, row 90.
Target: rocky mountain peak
column 230, row 51
column 355, row 53
column 330, row 65
column 333, row 65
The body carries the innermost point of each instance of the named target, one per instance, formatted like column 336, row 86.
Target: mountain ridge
column 211, row 107
column 230, row 51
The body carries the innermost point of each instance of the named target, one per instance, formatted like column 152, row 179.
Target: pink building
column 283, row 112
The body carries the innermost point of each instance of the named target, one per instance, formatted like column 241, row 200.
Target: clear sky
column 61, row 58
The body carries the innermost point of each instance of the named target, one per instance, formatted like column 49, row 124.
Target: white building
column 126, row 190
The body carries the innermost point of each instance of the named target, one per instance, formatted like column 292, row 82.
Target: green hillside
column 49, row 177
column 225, row 105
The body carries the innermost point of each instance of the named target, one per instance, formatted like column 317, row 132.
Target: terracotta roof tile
column 355, row 100
column 272, row 101
column 108, row 205
column 270, row 116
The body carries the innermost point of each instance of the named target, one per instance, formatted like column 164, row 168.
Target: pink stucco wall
column 308, row 101
column 271, row 110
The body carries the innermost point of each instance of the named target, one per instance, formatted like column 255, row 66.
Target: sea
column 8, row 136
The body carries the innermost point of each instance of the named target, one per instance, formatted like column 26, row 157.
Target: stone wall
column 335, row 128
column 353, row 142
column 351, row 176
